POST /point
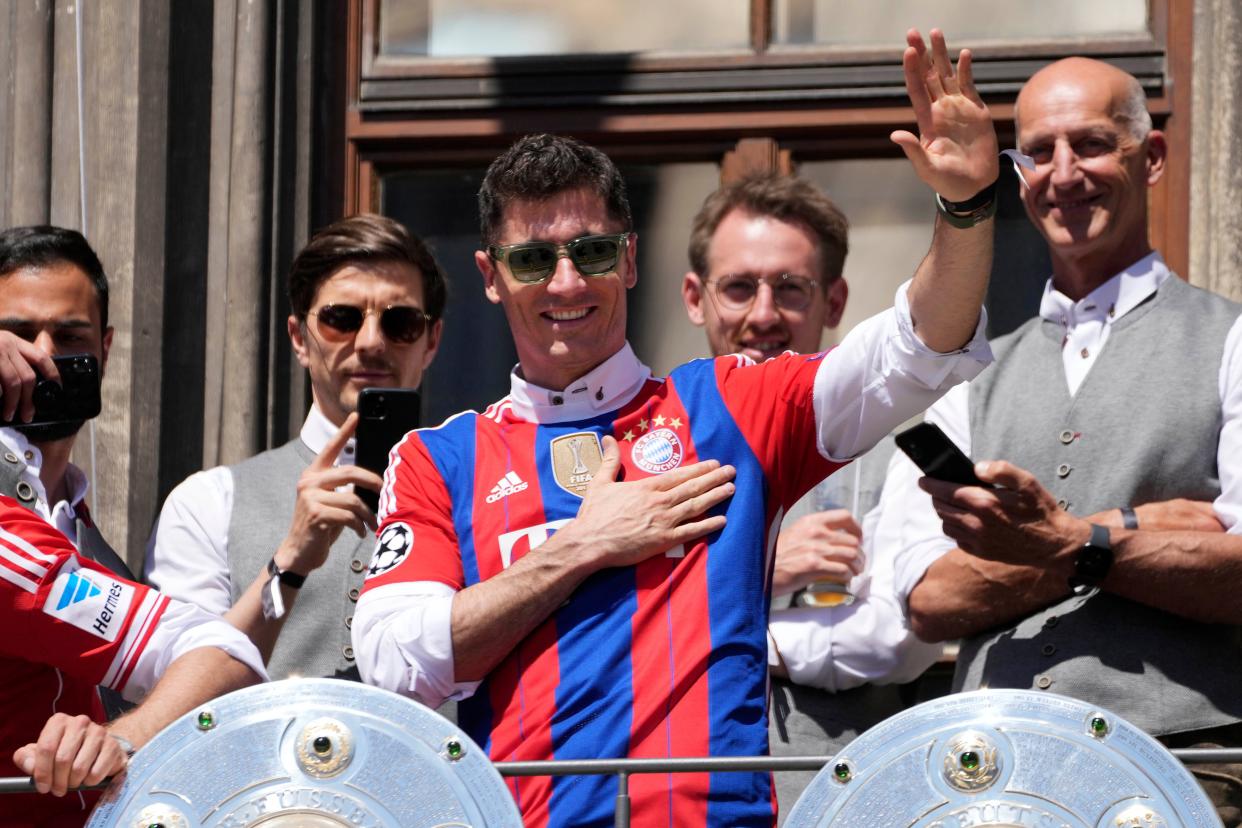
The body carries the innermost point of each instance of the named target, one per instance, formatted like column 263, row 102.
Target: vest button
column 29, row 455
column 1051, row 621
column 348, row 652
column 349, row 622
column 356, row 565
column 558, row 400
column 10, row 456
column 1064, row 469
column 1043, row 682
column 353, row 594
column 1048, row 649
column 1067, row 436
column 25, row 491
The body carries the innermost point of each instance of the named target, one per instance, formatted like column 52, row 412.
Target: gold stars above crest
column 644, row 425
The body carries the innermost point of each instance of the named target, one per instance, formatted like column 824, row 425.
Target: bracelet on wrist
column 972, row 211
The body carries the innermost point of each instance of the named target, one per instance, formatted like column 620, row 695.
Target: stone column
column 1216, row 153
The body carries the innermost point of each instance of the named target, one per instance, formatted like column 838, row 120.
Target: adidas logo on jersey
column 509, row 484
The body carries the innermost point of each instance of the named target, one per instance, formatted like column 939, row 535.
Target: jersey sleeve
column 417, row 538
column 72, row 613
column 773, row 406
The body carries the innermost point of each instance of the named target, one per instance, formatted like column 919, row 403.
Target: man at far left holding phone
column 367, row 299
column 53, row 302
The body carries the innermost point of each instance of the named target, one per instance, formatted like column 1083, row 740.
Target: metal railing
column 623, row 769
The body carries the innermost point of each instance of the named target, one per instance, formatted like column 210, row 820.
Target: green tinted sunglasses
column 534, row 262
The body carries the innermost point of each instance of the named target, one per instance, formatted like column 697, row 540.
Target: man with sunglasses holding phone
column 367, row 298
column 582, row 616
column 767, row 255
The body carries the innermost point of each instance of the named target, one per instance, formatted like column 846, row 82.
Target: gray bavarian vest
column 1143, row 427
column 315, row 638
column 88, row 540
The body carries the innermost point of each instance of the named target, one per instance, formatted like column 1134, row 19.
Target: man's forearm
column 961, row 595
column 247, row 615
column 193, row 679
column 950, row 285
column 1191, row 574
column 490, row 618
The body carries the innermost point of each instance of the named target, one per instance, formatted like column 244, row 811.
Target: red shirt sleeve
column 773, row 406
column 416, row 540
column 67, row 611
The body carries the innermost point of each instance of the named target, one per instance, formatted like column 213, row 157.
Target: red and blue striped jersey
column 667, row 658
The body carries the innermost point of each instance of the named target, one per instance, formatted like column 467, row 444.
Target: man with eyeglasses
column 367, row 299
column 578, row 615
column 767, row 254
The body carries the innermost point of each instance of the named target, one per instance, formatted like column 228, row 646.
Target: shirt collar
column 608, row 386
column 318, row 430
column 1110, row 301
column 75, row 479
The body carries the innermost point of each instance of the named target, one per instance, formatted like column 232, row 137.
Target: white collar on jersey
column 608, row 386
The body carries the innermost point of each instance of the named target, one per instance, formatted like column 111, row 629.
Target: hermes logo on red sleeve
column 89, row 600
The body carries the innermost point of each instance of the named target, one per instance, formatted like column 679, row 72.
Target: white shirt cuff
column 403, row 641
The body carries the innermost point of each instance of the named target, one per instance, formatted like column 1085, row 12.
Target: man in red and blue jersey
column 585, row 564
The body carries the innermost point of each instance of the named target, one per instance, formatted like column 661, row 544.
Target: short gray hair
column 1132, row 110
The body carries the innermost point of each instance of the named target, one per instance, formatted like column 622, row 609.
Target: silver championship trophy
column 1004, row 758
column 309, row 753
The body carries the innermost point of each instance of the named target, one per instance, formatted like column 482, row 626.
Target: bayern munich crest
column 658, row 451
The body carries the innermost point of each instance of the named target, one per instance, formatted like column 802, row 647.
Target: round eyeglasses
column 737, row 291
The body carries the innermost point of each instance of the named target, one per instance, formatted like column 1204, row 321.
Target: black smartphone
column 74, row 398
column 937, row 455
column 385, row 415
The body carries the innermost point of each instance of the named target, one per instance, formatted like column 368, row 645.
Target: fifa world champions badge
column 575, row 460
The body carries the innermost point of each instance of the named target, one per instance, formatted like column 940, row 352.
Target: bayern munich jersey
column 664, row 659
column 72, row 625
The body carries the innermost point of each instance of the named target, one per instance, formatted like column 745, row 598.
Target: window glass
column 884, row 22
column 891, row 215
column 457, row 28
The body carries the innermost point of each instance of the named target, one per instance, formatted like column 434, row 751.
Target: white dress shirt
column 1087, row 324
column 867, row 642
column 187, row 553
column 880, row 375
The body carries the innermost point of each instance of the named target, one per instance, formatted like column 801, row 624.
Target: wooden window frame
column 749, row 109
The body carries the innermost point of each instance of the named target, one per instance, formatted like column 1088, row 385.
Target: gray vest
column 87, row 539
column 1143, row 427
column 315, row 638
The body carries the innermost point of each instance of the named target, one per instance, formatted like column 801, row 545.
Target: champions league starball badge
column 309, row 753
column 1004, row 758
column 391, row 548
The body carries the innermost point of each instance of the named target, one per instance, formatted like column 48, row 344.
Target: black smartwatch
column 289, row 579
column 1093, row 561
